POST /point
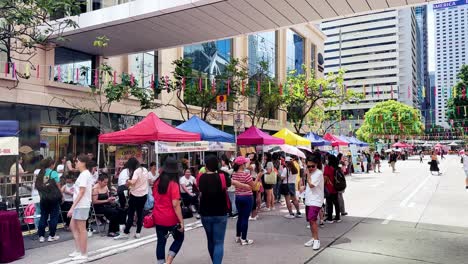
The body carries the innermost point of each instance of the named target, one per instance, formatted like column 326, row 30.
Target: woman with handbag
column 256, row 172
column 48, row 186
column 269, row 180
column 244, row 199
column 167, row 212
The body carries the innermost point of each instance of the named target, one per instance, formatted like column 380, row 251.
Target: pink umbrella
column 400, row 145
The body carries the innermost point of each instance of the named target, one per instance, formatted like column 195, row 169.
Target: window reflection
column 68, row 62
column 294, row 51
column 210, row 57
column 262, row 48
column 142, row 65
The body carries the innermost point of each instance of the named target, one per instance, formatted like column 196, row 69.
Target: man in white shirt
column 314, row 195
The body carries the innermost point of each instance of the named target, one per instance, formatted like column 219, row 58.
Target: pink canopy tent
column 254, row 136
column 335, row 140
column 151, row 128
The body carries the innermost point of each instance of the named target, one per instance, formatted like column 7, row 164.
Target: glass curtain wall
column 142, row 65
column 294, row 51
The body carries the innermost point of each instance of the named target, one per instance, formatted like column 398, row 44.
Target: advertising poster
column 122, row 154
column 354, row 157
column 178, row 147
column 8, row 146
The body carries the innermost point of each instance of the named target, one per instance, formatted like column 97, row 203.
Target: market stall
column 254, row 136
column 316, row 140
column 292, row 139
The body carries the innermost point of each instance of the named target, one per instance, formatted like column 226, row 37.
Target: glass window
column 142, row 65
column 262, row 49
column 294, row 51
column 68, row 61
column 313, row 58
column 210, row 57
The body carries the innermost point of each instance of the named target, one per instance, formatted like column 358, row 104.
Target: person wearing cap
column 244, row 199
column 288, row 187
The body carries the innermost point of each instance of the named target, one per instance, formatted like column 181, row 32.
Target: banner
column 122, row 154
column 178, row 147
column 221, row 146
column 354, row 157
column 9, row 146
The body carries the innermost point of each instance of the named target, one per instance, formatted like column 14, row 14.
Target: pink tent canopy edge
column 254, row 136
column 336, row 141
column 401, row 145
column 151, row 128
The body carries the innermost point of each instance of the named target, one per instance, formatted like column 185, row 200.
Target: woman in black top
column 214, row 206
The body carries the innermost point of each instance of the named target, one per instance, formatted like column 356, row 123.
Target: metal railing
column 8, row 188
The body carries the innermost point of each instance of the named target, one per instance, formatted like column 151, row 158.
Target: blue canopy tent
column 355, row 141
column 316, row 140
column 207, row 132
column 9, row 146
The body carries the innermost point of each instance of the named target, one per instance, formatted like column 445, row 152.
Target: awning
column 254, row 136
column 316, row 140
column 292, row 139
column 206, row 131
column 335, row 140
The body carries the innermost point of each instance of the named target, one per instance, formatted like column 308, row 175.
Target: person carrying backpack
column 332, row 194
column 48, row 186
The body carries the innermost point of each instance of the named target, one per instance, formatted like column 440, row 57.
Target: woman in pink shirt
column 167, row 213
column 138, row 193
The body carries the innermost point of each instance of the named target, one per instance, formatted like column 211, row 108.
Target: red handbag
column 148, row 221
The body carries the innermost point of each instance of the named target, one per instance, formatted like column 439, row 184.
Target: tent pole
column 157, row 156
column 98, row 154
column 17, row 199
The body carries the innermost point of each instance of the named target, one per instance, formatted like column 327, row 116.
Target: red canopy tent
column 254, row 136
column 151, row 128
column 335, row 140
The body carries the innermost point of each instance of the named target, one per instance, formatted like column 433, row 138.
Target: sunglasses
column 311, row 166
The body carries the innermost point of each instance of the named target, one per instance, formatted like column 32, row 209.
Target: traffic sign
column 221, row 103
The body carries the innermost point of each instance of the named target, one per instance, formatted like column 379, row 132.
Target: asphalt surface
column 406, row 217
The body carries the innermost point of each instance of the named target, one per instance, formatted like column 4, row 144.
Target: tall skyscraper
column 451, row 35
column 422, row 61
column 379, row 53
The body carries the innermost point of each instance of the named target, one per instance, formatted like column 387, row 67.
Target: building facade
column 379, row 53
column 422, row 61
column 451, row 44
column 57, row 116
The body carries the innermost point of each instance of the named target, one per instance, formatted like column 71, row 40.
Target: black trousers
column 190, row 200
column 121, row 195
column 332, row 201
column 116, row 216
column 135, row 205
column 65, row 207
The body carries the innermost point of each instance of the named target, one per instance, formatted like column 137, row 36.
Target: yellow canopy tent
column 292, row 139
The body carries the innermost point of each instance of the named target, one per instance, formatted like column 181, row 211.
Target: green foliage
column 390, row 118
column 456, row 105
column 26, row 24
column 321, row 92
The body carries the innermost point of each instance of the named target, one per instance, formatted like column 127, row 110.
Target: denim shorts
column 80, row 214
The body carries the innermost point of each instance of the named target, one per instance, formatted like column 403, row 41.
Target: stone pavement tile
column 339, row 256
column 409, row 243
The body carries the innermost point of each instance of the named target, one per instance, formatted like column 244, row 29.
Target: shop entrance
column 56, row 141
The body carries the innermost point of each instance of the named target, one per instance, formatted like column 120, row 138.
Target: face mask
column 69, row 185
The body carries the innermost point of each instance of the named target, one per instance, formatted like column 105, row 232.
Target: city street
column 406, row 217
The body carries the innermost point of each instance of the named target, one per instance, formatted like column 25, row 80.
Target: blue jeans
column 161, row 232
column 232, row 198
column 215, row 229
column 244, row 205
column 53, row 211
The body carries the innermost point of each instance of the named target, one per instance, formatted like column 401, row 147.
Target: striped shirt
column 242, row 177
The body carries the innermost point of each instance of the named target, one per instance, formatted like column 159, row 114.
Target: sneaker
column 193, row 208
column 238, row 240
column 80, row 257
column 322, row 224
column 246, row 242
column 307, row 226
column 329, row 221
column 290, row 216
column 266, row 209
column 137, row 235
column 337, row 220
column 52, row 239
column 197, row 216
column 253, row 218
column 298, row 215
column 316, row 245
column 121, row 236
column 41, row 239
column 344, row 214
column 309, row 243
column 74, row 254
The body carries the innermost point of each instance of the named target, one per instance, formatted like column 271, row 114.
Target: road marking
column 121, row 247
column 411, row 205
column 387, row 220
column 412, row 194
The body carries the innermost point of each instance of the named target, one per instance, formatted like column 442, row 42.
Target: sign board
column 354, row 157
column 9, row 146
column 450, row 4
column 178, row 147
column 122, row 154
column 221, row 103
column 221, row 146
column 239, row 122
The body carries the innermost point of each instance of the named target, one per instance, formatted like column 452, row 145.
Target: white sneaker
column 121, row 236
column 266, row 209
column 41, row 239
column 74, row 254
column 290, row 216
column 308, row 226
column 54, row 238
column 137, row 235
column 246, row 242
column 309, row 243
column 329, row 222
column 253, row 218
column 316, row 245
column 80, row 257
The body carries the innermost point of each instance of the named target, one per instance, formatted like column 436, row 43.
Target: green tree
column 457, row 107
column 185, row 86
column 302, row 94
column 26, row 25
column 390, row 118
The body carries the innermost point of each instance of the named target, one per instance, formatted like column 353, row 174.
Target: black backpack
column 340, row 180
column 49, row 192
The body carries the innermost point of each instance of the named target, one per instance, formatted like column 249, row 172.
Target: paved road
column 406, row 217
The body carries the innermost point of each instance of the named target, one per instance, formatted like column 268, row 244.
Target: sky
column 430, row 36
